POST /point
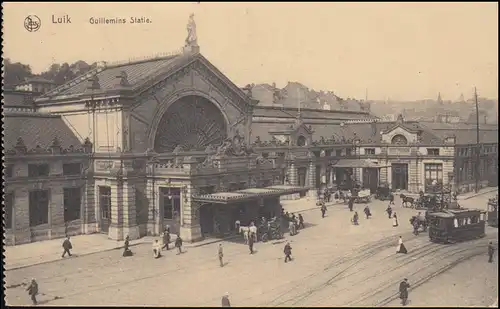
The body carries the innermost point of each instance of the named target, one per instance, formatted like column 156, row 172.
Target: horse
column 245, row 230
column 406, row 200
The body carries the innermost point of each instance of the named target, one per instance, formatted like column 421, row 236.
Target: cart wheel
column 264, row 237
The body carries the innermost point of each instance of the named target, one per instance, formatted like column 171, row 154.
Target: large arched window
column 399, row 140
column 301, row 141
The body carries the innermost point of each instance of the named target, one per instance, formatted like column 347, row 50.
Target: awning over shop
column 359, row 163
column 248, row 194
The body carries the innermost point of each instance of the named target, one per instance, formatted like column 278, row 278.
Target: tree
column 15, row 73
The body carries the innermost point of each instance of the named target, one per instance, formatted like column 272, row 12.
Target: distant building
column 36, row 85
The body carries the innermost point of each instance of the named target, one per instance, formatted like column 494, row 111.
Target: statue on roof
column 192, row 38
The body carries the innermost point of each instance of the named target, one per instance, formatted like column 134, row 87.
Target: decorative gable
column 397, row 134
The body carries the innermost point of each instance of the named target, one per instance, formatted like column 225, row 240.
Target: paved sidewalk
column 469, row 195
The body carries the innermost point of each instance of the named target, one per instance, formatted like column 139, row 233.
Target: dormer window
column 399, row 140
column 301, row 141
column 433, row 151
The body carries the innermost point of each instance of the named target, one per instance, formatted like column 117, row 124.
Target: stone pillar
column 57, row 226
column 155, row 213
column 21, row 213
column 292, row 174
column 116, row 224
column 130, row 225
column 332, row 177
column 190, row 229
column 311, row 179
column 89, row 219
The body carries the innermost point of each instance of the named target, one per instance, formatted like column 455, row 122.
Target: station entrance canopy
column 248, row 194
column 359, row 163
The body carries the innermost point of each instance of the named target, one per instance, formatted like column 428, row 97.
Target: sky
column 400, row 51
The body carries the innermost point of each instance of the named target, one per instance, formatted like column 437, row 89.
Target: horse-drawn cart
column 384, row 194
column 363, row 196
column 270, row 231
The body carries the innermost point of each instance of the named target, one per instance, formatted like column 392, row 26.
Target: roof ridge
column 101, row 66
column 136, row 60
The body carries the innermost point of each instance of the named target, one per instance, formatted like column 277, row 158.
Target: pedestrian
column 389, row 211
column 126, row 249
column 166, row 240
column 323, row 210
column 67, row 246
column 391, row 199
column 178, row 244
column 293, row 217
column 401, row 247
column 288, row 252
column 251, row 241
column 351, row 203
column 491, row 250
column 33, row 291
column 301, row 221
column 367, row 212
column 403, row 291
column 225, row 300
column 416, row 225
column 395, row 220
column 156, row 249
column 221, row 255
column 355, row 218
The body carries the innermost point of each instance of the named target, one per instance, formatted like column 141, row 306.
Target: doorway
column 400, row 176
column 302, row 174
column 370, row 179
column 170, row 201
column 104, row 209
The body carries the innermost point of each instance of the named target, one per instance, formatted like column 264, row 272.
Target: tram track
column 418, row 254
column 366, row 252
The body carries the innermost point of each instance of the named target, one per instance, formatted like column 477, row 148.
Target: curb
column 477, row 194
column 142, row 242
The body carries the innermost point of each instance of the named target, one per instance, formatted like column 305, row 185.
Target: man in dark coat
column 350, row 203
column 126, row 249
column 166, row 240
column 491, row 250
column 367, row 212
column 301, row 221
column 225, row 300
column 389, row 211
column 251, row 241
column 178, row 244
column 67, row 246
column 288, row 252
column 33, row 291
column 323, row 210
column 221, row 255
column 403, row 291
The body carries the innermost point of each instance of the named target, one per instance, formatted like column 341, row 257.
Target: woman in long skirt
column 394, row 220
column 401, row 247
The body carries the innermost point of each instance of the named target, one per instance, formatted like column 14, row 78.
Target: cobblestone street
column 336, row 263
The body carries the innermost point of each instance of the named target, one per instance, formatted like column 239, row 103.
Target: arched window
column 399, row 140
column 301, row 141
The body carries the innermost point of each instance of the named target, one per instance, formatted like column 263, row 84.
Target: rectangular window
column 433, row 177
column 9, row 170
column 171, row 203
column 9, row 209
column 338, row 153
column 348, row 151
column 72, row 203
column 105, row 202
column 369, row 151
column 72, row 169
column 38, row 170
column 433, row 151
column 39, row 207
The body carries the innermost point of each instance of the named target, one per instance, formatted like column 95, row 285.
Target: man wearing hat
column 225, row 300
column 491, row 250
column 33, row 291
column 403, row 291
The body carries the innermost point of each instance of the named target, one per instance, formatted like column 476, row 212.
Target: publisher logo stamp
column 32, row 23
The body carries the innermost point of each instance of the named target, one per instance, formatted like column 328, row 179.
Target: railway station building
column 132, row 147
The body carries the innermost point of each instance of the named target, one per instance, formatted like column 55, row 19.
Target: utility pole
column 477, row 141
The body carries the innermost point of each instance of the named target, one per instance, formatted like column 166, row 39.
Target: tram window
column 474, row 220
column 468, row 220
column 455, row 222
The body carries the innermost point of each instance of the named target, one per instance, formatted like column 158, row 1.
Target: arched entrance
column 192, row 122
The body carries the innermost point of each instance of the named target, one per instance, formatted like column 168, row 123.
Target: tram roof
column 248, row 194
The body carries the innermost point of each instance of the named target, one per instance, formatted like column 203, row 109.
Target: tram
column 455, row 225
column 493, row 211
